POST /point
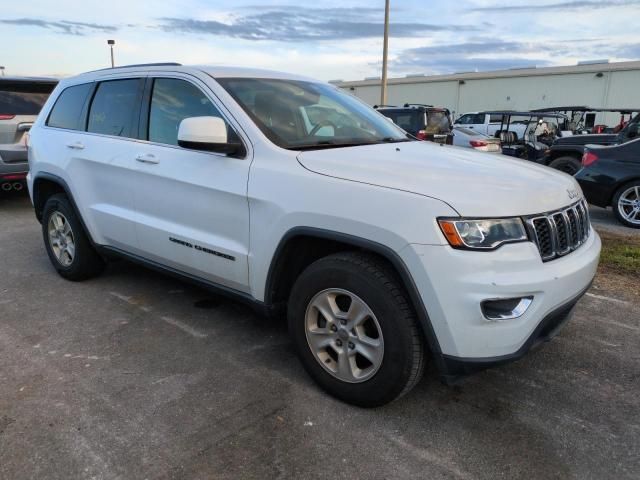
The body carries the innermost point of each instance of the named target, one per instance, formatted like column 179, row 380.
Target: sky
column 332, row 39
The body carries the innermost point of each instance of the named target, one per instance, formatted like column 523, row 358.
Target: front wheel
column 570, row 165
column 354, row 330
column 626, row 204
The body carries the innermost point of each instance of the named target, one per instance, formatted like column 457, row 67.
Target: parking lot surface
column 137, row 375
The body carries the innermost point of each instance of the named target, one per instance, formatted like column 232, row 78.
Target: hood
column 596, row 139
column 474, row 183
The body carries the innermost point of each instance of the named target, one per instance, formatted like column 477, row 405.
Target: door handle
column 147, row 158
column 75, row 145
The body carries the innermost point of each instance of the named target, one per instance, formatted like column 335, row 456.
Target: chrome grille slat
column 560, row 232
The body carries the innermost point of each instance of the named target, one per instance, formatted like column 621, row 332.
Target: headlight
column 482, row 234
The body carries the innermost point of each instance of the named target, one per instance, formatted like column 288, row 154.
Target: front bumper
column 453, row 283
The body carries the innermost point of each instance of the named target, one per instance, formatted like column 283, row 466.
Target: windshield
column 305, row 115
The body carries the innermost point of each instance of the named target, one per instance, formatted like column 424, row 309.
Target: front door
column 193, row 214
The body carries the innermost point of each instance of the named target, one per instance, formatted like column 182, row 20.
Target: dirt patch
column 619, row 270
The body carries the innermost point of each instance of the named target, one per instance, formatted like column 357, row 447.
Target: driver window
column 172, row 101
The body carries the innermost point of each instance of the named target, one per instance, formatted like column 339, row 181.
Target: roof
column 519, row 72
column 212, row 70
column 586, row 109
column 513, row 113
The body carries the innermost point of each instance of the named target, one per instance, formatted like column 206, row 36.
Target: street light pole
column 2, row 70
column 111, row 43
column 385, row 51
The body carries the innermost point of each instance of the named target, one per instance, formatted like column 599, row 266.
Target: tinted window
column 495, row 118
column 406, row 120
column 171, row 102
column 21, row 98
column 114, row 108
column 67, row 111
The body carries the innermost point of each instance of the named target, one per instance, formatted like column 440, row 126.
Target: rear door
column 192, row 205
column 93, row 128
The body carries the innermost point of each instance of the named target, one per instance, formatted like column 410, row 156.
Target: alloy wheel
column 629, row 205
column 344, row 335
column 61, row 239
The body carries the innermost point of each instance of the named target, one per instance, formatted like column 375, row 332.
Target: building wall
column 617, row 89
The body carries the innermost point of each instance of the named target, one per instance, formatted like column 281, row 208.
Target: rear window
column 407, row 120
column 438, row 122
column 67, row 111
column 21, row 98
column 114, row 108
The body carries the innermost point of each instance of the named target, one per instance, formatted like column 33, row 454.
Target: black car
column 425, row 122
column 611, row 176
column 565, row 153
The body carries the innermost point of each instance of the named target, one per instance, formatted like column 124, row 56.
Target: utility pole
column 111, row 43
column 2, row 70
column 385, row 52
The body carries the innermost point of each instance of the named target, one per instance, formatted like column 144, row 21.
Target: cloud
column 67, row 27
column 550, row 7
column 287, row 23
column 480, row 54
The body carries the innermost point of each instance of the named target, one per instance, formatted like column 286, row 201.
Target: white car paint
column 390, row 194
column 487, row 126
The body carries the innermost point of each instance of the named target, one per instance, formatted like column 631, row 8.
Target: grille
column 560, row 232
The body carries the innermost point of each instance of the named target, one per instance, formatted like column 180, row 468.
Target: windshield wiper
column 328, row 144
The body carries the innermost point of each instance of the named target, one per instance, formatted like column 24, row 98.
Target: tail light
column 4, row 116
column 478, row 143
column 589, row 158
column 422, row 135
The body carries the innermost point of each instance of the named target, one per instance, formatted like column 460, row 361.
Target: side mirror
column 208, row 134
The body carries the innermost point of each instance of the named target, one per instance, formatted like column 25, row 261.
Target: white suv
column 383, row 251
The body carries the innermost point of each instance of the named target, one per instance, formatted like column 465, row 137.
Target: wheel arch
column 47, row 184
column 619, row 184
column 301, row 246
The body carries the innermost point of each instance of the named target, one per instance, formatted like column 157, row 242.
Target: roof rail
column 161, row 64
column 417, row 105
column 382, row 106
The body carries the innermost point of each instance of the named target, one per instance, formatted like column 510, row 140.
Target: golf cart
column 541, row 130
column 565, row 153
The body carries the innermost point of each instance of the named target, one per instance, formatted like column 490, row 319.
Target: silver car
column 464, row 137
column 21, row 99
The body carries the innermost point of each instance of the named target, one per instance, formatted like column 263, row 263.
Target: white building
column 596, row 84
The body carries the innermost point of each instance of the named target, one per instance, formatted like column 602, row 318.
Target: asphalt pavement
column 137, row 375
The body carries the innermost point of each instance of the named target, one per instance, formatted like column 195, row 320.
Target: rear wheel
column 354, row 329
column 66, row 242
column 569, row 165
column 626, row 204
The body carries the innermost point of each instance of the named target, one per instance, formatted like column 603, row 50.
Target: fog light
column 505, row 308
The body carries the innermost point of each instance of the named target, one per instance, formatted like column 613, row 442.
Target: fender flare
column 384, row 251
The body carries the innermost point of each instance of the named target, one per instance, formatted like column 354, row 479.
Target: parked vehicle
column 20, row 101
column 611, row 177
column 566, row 153
column 490, row 123
column 425, row 122
column 463, row 137
column 581, row 120
column 539, row 132
column 383, row 251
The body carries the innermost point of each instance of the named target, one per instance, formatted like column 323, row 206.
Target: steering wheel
column 320, row 124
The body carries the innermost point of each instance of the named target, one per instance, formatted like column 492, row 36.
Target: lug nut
column 339, row 342
column 343, row 321
column 351, row 345
column 334, row 328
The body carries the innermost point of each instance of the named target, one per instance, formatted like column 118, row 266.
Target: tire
column 62, row 230
column 398, row 362
column 626, row 200
column 570, row 165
